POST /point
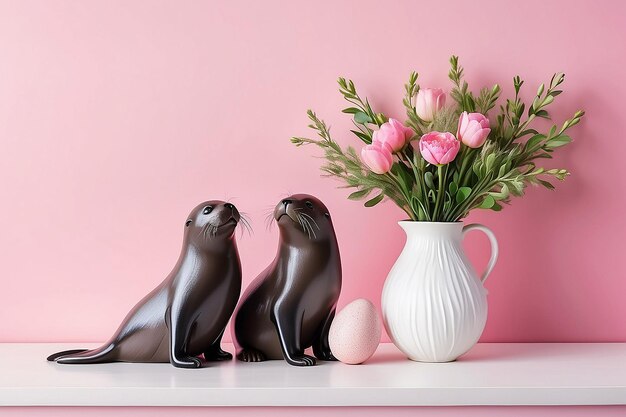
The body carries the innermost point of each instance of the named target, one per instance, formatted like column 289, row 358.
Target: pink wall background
column 117, row 117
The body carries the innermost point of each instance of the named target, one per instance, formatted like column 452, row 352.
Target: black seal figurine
column 289, row 307
column 185, row 316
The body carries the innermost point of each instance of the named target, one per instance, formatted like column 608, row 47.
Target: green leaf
column 462, row 194
column 375, row 200
column 517, row 188
column 421, row 212
column 527, row 132
column 540, row 90
column 405, row 178
column 552, row 132
column 351, row 110
column 381, row 118
column 488, row 202
column 491, row 158
column 543, row 155
column 503, row 170
column 362, row 118
column 546, row 184
column 533, row 142
column 362, row 136
column 558, row 141
column 559, row 174
column 453, row 187
column 503, row 194
column 476, row 168
column 357, row 195
column 428, row 179
column 496, row 207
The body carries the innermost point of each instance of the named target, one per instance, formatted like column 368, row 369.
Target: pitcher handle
column 492, row 241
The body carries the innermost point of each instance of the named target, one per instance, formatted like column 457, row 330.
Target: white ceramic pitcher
column 434, row 304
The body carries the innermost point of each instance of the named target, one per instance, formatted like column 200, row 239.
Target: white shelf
column 491, row 374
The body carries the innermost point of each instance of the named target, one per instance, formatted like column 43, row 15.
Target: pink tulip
column 473, row 129
column 377, row 157
column 394, row 134
column 429, row 100
column 439, row 148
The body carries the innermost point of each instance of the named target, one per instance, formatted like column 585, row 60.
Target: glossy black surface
column 291, row 304
column 185, row 316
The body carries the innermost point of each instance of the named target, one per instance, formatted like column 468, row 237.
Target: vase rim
column 401, row 222
column 441, row 229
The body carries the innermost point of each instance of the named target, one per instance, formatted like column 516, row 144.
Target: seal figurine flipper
column 186, row 315
column 289, row 307
column 321, row 347
column 215, row 353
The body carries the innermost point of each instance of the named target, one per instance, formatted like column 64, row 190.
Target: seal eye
column 309, row 204
column 207, row 210
column 327, row 214
column 188, row 222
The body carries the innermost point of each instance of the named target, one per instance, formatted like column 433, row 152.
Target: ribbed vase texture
column 434, row 305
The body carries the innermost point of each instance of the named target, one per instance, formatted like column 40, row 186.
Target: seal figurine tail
column 83, row 356
column 57, row 355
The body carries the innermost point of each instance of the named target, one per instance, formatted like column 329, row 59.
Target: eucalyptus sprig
column 347, row 166
column 484, row 175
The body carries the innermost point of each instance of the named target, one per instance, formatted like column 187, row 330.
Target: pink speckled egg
column 355, row 332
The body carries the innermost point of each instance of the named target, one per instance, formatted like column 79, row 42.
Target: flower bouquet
column 443, row 162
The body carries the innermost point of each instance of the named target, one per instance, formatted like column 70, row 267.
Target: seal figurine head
column 303, row 217
column 211, row 222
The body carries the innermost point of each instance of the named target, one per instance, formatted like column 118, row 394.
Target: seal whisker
column 245, row 225
column 208, row 232
column 204, row 231
column 304, row 228
column 306, row 225
column 244, row 218
column 268, row 210
column 312, row 220
column 310, row 227
column 269, row 220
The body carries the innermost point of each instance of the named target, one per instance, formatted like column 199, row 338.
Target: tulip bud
column 394, row 134
column 377, row 157
column 473, row 129
column 429, row 101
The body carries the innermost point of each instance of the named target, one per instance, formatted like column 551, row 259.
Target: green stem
column 523, row 127
column 412, row 165
column 421, row 186
column 397, row 183
column 440, row 192
column 520, row 129
column 465, row 170
column 422, row 170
